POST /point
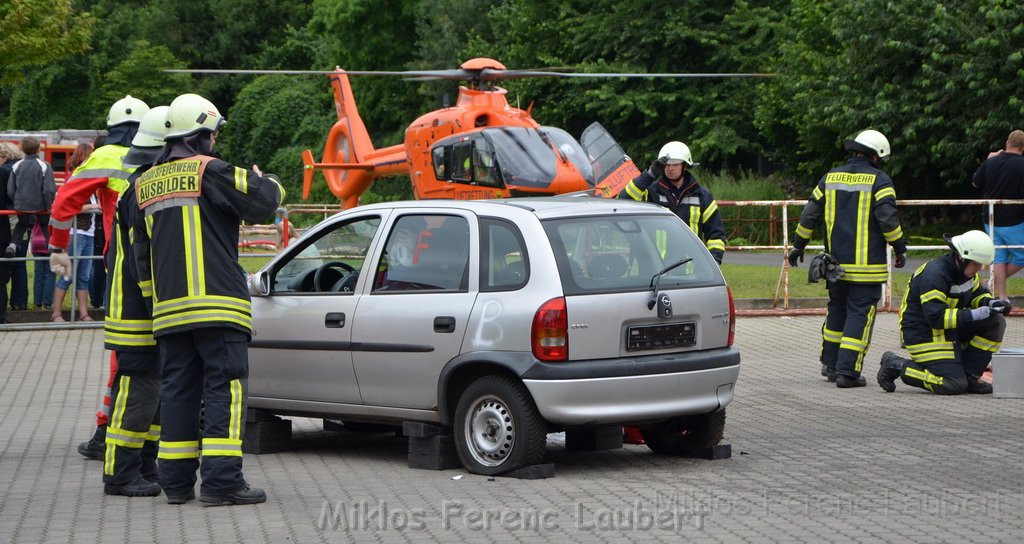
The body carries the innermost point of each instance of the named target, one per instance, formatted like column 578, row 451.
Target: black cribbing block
column 334, row 425
column 420, row 430
column 255, row 414
column 608, row 437
column 267, row 436
column 533, row 472
column 721, row 451
column 433, row 452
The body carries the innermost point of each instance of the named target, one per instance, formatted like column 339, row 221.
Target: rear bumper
column 637, row 397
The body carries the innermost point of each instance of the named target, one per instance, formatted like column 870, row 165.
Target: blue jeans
column 82, row 247
column 43, row 283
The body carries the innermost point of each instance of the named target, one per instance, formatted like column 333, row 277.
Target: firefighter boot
column 846, row 382
column 245, row 495
column 95, row 446
column 829, row 373
column 139, row 487
column 889, row 369
column 977, row 387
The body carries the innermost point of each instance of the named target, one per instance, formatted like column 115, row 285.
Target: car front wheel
column 687, row 434
column 497, row 427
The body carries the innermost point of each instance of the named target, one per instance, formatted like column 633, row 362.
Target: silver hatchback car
column 503, row 320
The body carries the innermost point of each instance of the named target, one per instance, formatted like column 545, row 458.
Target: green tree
column 39, row 32
column 941, row 80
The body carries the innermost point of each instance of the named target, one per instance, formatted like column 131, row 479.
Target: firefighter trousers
column 210, row 365
column 846, row 333
column 976, row 342
column 134, row 425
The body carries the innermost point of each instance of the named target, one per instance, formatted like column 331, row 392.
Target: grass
column 752, row 281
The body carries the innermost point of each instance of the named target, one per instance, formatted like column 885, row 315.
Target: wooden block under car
column 608, row 437
column 267, row 436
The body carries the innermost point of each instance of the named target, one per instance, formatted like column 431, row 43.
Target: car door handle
column 334, row 320
column 444, row 323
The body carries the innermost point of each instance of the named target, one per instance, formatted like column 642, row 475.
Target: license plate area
column 661, row 336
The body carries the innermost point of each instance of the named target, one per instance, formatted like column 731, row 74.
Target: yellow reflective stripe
column 201, row 316
column 882, row 193
column 716, row 244
column 146, row 287
column 949, row 318
column 830, row 215
column 188, row 449
column 816, row 193
column 803, row 232
column 976, row 302
column 237, row 398
column 831, row 336
column 984, row 344
column 114, row 304
column 193, row 242
column 280, row 189
column 120, row 402
column 863, row 224
column 894, row 234
column 634, row 192
column 923, row 375
column 695, row 219
column 709, row 211
column 934, row 294
column 225, row 447
column 661, row 240
column 873, row 268
column 860, row 344
column 241, row 181
column 154, row 433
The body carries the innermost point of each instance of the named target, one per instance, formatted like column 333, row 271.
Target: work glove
column 60, row 263
column 1000, row 306
column 794, row 254
column 901, row 260
column 980, row 313
column 718, row 255
column 657, row 169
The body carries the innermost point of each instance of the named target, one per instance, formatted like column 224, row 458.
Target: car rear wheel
column 497, row 427
column 687, row 434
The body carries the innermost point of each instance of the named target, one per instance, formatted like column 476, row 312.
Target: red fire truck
column 56, row 146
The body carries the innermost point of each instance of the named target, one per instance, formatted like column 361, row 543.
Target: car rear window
column 623, row 253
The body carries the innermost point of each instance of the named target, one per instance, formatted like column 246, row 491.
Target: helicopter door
column 613, row 169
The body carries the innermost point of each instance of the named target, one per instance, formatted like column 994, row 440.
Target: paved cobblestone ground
column 810, row 464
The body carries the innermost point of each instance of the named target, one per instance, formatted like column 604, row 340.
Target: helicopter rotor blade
column 431, row 74
column 490, row 75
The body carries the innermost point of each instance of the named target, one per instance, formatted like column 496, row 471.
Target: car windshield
column 623, row 253
column 526, row 159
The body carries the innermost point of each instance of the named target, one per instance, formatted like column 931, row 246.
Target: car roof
column 542, row 207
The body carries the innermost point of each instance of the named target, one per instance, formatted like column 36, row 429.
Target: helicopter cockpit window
column 525, row 156
column 439, row 163
column 485, row 170
column 572, row 151
column 462, row 162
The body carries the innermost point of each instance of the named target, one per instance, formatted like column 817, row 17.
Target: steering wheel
column 319, row 275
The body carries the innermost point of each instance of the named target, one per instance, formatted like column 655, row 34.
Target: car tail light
column 732, row 318
column 550, row 331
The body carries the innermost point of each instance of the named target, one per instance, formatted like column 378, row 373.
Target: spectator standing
column 43, row 281
column 32, row 188
column 81, row 248
column 1002, row 176
column 8, row 154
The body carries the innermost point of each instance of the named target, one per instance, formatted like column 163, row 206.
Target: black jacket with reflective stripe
column 695, row 206
column 857, row 204
column 128, row 321
column 192, row 208
column 938, row 301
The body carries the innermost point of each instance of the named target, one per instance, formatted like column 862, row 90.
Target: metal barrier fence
column 784, row 222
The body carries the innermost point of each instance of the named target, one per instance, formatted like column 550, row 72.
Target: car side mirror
column 259, row 284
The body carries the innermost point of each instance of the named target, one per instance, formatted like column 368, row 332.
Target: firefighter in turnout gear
column 129, row 466
column 950, row 324
column 105, row 175
column 857, row 203
column 669, row 183
column 186, row 252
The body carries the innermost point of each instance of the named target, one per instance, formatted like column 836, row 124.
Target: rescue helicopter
column 480, row 147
